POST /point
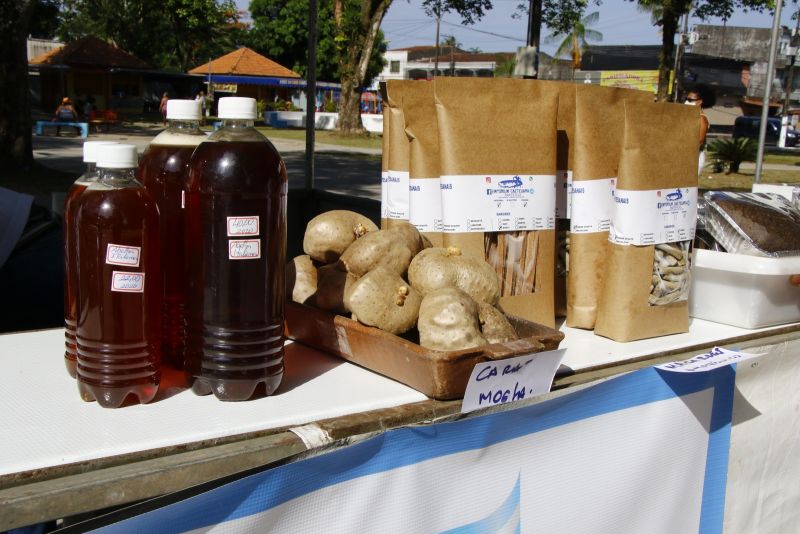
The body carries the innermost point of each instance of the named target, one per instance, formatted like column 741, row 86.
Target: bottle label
column 126, row 282
column 244, row 249
column 242, row 226
column 123, row 255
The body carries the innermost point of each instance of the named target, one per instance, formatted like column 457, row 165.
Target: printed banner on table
column 643, row 452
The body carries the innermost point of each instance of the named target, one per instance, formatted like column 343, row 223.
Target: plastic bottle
column 70, row 252
column 119, row 294
column 163, row 171
column 235, row 254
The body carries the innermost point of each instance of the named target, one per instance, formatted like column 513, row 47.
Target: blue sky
column 620, row 23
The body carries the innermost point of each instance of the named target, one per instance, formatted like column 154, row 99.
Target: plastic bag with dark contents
column 753, row 224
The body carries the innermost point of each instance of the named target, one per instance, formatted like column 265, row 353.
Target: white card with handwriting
column 709, row 361
column 511, row 379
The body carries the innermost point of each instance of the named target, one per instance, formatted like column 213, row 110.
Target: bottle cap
column 188, row 110
column 237, row 107
column 90, row 150
column 117, row 157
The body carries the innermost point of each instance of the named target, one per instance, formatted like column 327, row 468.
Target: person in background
column 65, row 112
column 704, row 96
column 162, row 107
column 201, row 96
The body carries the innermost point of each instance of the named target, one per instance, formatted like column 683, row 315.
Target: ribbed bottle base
column 70, row 348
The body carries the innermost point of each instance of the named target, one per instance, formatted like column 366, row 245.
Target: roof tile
column 247, row 62
column 90, row 51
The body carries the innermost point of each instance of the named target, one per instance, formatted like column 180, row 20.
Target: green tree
column 576, row 42
column 44, row 19
column 280, row 29
column 16, row 151
column 170, row 34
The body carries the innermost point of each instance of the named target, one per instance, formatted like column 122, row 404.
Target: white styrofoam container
column 744, row 291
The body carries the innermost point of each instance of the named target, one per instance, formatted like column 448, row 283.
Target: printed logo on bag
column 242, row 226
column 244, row 249
column 125, row 282
column 123, row 255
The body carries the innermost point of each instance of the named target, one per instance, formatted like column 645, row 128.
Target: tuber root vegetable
column 494, row 325
column 301, row 279
column 333, row 283
column 329, row 234
column 384, row 248
column 448, row 320
column 435, row 268
column 381, row 298
column 411, row 236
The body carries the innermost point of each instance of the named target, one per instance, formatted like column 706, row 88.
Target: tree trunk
column 16, row 151
column 669, row 25
column 354, row 59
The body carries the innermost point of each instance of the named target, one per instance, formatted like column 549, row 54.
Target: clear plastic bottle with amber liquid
column 119, row 294
column 235, row 237
column 71, row 252
column 163, row 172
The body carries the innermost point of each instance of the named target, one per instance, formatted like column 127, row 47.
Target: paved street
column 345, row 170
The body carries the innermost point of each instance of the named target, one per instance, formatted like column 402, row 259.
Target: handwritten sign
column 244, row 249
column 123, row 255
column 127, row 282
column 512, row 379
column 709, row 361
column 242, row 226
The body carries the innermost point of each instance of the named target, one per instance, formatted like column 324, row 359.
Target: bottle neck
column 237, row 123
column 118, row 178
column 91, row 167
column 184, row 126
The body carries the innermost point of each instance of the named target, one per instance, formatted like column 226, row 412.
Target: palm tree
column 577, row 41
column 451, row 42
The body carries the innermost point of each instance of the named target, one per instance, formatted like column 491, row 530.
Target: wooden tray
column 438, row 374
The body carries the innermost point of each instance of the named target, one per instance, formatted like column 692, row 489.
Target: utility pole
column 794, row 42
column 311, row 93
column 534, row 31
column 762, row 131
column 438, row 22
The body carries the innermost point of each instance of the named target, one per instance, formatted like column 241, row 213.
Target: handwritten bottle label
column 123, row 255
column 126, row 282
column 242, row 226
column 244, row 249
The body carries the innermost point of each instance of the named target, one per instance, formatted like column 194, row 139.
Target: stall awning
column 297, row 83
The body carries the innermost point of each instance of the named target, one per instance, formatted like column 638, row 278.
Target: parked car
column 748, row 125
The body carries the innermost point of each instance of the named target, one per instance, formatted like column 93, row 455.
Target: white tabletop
column 45, row 423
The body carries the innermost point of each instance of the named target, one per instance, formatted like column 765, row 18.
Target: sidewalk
column 339, row 169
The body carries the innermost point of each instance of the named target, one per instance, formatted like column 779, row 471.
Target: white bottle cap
column 237, row 107
column 117, row 157
column 90, row 150
column 187, row 110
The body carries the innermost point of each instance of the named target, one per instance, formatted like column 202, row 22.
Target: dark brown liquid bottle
column 235, row 233
column 71, row 253
column 163, row 171
column 119, row 304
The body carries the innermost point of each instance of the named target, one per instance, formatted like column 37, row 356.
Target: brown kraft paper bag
column 565, row 150
column 497, row 142
column 422, row 130
column 646, row 287
column 398, row 156
column 600, row 119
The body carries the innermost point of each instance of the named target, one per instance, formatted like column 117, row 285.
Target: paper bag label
column 563, row 194
column 591, row 202
column 425, row 200
column 384, row 195
column 497, row 203
column 397, row 195
column 653, row 217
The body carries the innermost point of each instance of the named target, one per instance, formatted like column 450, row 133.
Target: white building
column 419, row 62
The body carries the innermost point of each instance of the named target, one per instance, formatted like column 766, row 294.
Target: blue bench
column 84, row 126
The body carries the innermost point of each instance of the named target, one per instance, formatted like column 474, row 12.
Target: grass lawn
column 784, row 159
column 325, row 137
column 744, row 180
